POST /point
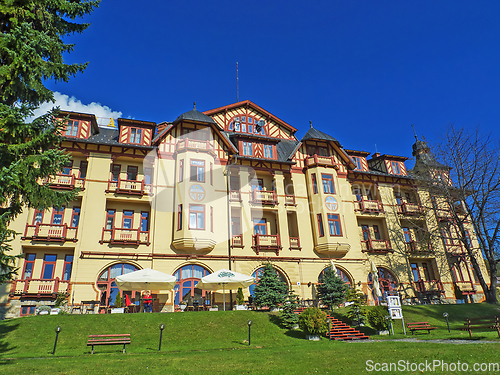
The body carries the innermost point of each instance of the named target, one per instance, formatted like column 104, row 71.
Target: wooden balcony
column 290, row 200
column 38, row 287
column 123, row 236
column 237, row 240
column 235, row 196
column 295, row 243
column 370, row 206
column 264, row 197
column 407, row 208
column 466, row 287
column 325, row 161
column 266, row 242
column 194, row 145
column 418, row 248
column 377, row 246
column 454, row 247
column 50, row 232
column 130, row 187
column 429, row 287
column 65, row 182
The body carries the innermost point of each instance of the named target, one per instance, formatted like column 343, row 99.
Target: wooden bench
column 122, row 339
column 491, row 322
column 420, row 326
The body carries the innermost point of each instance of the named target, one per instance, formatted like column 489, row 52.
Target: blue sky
column 361, row 71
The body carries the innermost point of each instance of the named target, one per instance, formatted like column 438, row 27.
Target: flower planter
column 182, row 307
column 313, row 337
column 117, row 310
column 383, row 333
column 213, row 309
column 241, row 307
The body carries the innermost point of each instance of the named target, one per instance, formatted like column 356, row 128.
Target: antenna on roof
column 310, row 124
column 194, row 105
column 415, row 134
column 237, row 85
column 376, row 148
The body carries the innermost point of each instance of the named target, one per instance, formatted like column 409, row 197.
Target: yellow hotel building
column 234, row 188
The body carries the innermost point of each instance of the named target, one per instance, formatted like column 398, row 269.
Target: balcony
column 290, row 200
column 295, row 243
column 466, row 287
column 266, row 242
column 264, row 197
column 429, row 287
column 454, row 247
column 65, row 182
column 370, row 206
column 50, row 232
column 377, row 246
column 407, row 208
column 326, row 161
column 237, row 241
column 130, row 187
column 194, row 145
column 124, row 236
column 416, row 248
column 39, row 287
column 235, row 195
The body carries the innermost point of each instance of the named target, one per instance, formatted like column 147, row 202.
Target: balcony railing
column 365, row 205
column 39, row 287
column 235, row 196
column 237, row 240
column 466, row 287
column 429, row 287
column 454, row 246
column 65, row 182
column 125, row 236
column 415, row 247
column 264, row 197
column 266, row 242
column 316, row 160
column 290, row 200
column 50, row 232
column 132, row 187
column 194, row 145
column 410, row 208
column 295, row 243
column 377, row 246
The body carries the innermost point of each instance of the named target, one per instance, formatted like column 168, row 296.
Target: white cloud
column 72, row 104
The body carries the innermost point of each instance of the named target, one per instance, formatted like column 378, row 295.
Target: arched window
column 258, row 273
column 107, row 286
column 386, row 279
column 340, row 273
column 187, row 277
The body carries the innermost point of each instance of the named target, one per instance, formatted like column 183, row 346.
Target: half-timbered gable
column 359, row 158
column 388, row 164
column 78, row 125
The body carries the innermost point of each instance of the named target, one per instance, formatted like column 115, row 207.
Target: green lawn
column 217, row 343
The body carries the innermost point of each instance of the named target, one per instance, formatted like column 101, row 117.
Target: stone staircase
column 339, row 330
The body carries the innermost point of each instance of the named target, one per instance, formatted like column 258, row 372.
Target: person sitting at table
column 147, row 301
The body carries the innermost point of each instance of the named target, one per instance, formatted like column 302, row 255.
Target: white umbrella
column 376, row 284
column 145, row 279
column 225, row 279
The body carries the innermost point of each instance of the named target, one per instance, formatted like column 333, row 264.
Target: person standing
column 147, row 301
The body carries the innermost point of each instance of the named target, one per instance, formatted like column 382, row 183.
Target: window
column 144, row 221
column 179, row 217
column 83, row 169
column 29, row 263
column 187, row 278
column 27, row 310
column 257, row 184
column 235, row 226
column 196, row 216
column 66, row 170
column 38, row 217
column 318, row 150
column 128, row 218
column 427, row 272
column 110, row 219
column 181, row 171
column 247, row 148
column 57, row 216
column 259, row 226
column 49, row 265
column 376, row 232
column 68, row 265
column 237, row 125
column 357, row 161
column 328, row 184
column 148, row 175
column 315, row 184
column 320, row 225
column 115, row 171
column 414, row 271
column 366, row 232
column 135, row 135
column 334, row 225
column 72, row 128
column 399, row 199
column 357, row 192
column 243, row 126
column 132, row 172
column 197, row 170
column 268, row 151
column 231, row 126
column 75, row 218
column 395, row 167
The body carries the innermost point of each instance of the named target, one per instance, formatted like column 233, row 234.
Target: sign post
column 394, row 305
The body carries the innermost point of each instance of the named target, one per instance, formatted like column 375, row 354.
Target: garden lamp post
column 445, row 314
column 162, row 327
column 329, row 330
column 249, row 326
column 58, row 329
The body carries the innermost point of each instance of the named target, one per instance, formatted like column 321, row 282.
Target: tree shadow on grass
column 6, row 328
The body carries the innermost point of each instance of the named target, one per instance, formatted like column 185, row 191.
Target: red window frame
column 144, row 219
column 110, row 214
column 328, row 185
column 116, row 170
column 376, row 232
column 181, row 170
column 197, row 177
column 320, row 225
column 314, row 183
column 29, row 259
column 83, row 169
column 357, row 161
column 127, row 216
column 68, row 262
column 132, row 171
column 179, row 217
column 365, row 229
column 27, row 310
column 196, row 212
column 396, row 169
column 407, row 234
column 37, row 211
column 72, row 128
column 136, row 135
column 332, row 219
column 75, row 215
column 57, row 211
column 48, row 263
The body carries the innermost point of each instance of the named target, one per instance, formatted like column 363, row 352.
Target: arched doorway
column 106, row 283
column 340, row 273
column 187, row 277
column 258, row 273
column 387, row 281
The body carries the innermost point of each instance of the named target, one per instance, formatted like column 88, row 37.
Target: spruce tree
column 289, row 318
column 31, row 53
column 331, row 288
column 270, row 291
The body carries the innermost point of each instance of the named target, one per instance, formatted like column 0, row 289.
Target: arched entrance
column 187, row 277
column 340, row 273
column 257, row 275
column 106, row 283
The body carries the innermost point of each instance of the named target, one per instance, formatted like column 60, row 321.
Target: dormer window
column 135, row 135
column 357, row 161
column 268, row 151
column 72, row 128
column 395, row 167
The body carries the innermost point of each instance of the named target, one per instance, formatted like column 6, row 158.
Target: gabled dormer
column 78, row 125
column 359, row 158
column 136, row 132
column 388, row 164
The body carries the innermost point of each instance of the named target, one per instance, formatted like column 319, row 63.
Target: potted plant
column 214, row 308
column 240, row 300
column 182, row 305
column 313, row 322
column 118, row 309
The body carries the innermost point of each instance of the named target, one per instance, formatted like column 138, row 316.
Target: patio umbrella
column 225, row 279
column 145, row 279
column 376, row 284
